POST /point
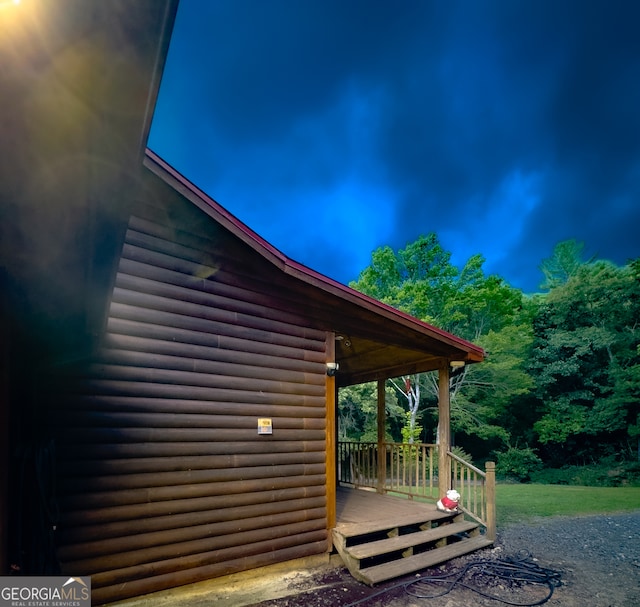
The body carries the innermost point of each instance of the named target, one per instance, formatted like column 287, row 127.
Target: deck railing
column 477, row 491
column 412, row 470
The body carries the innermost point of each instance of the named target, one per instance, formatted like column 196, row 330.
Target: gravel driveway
column 597, row 560
column 598, row 557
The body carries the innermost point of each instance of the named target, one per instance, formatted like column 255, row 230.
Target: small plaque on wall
column 265, row 426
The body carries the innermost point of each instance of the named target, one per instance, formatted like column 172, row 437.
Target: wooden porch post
column 490, row 471
column 444, row 430
column 382, row 425
column 330, row 433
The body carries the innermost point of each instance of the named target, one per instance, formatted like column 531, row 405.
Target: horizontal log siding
column 288, row 298
column 202, row 566
column 164, row 479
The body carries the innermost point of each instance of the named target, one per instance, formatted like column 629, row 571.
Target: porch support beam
column 331, row 431
column 444, row 429
column 382, row 425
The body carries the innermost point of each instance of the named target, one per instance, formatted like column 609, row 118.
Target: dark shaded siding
column 164, row 479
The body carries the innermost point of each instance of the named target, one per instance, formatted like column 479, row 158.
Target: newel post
column 444, row 430
column 490, row 480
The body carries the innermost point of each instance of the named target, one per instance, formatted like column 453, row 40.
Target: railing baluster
column 422, row 461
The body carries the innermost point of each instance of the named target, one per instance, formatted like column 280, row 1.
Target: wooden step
column 349, row 530
column 404, row 566
column 409, row 540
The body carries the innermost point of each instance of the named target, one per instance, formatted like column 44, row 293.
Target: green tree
column 497, row 384
column 421, row 280
column 410, row 391
column 418, row 279
column 585, row 361
column 563, row 264
column 358, row 410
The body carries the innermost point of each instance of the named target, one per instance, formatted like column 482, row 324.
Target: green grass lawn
column 522, row 503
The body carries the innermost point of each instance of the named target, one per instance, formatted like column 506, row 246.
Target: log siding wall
column 163, row 478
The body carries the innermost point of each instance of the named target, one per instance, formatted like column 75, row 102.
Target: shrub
column 517, row 463
column 604, row 474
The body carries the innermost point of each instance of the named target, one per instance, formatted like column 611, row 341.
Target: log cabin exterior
column 151, row 335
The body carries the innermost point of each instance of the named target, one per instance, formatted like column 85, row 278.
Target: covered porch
column 386, row 523
column 417, row 470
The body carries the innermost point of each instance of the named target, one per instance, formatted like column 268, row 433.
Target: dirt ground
column 591, row 561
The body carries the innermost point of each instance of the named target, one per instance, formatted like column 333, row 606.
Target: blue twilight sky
column 333, row 127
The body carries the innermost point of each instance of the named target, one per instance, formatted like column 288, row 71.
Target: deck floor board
column 358, row 506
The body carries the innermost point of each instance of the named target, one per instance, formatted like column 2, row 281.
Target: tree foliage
column 565, row 262
column 421, row 280
column 358, row 409
column 585, row 360
column 562, row 371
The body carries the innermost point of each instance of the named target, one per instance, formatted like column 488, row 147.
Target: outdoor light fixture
column 332, row 368
column 346, row 342
column 455, row 364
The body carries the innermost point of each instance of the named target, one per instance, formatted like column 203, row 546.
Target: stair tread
column 401, row 542
column 355, row 529
column 411, row 564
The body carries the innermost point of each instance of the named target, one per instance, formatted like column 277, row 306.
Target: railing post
column 490, row 469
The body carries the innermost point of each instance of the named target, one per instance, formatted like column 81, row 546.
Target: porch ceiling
column 361, row 360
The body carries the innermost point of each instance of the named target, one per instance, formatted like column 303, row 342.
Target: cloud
column 503, row 127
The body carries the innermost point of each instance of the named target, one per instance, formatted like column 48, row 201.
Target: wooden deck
column 362, row 506
column 381, row 537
